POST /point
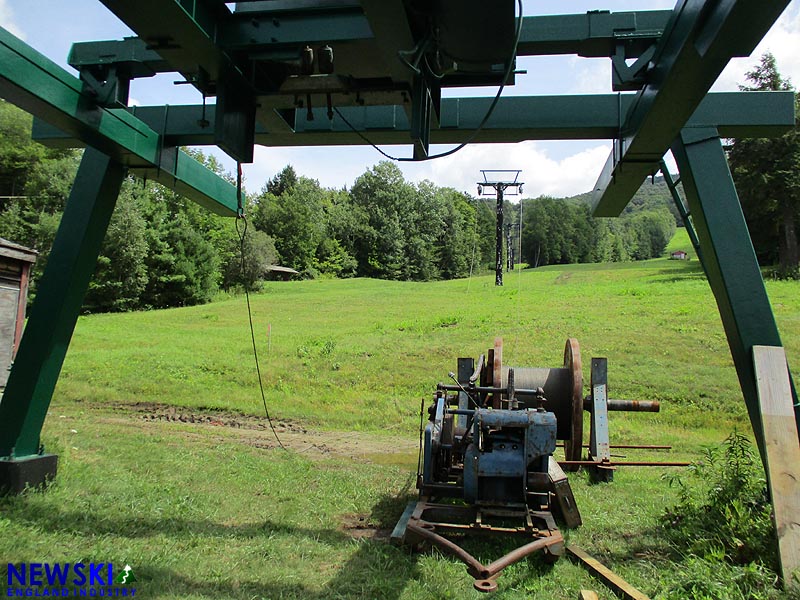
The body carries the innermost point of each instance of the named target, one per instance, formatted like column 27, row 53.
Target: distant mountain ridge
column 652, row 195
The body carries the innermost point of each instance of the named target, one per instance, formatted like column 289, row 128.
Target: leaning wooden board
column 783, row 454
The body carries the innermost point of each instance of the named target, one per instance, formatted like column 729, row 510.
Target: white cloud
column 7, row 20
column 783, row 40
column 543, row 175
column 590, row 75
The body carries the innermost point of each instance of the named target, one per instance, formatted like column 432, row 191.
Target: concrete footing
column 17, row 474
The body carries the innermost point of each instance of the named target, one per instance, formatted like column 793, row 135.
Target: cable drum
column 557, row 386
column 563, row 389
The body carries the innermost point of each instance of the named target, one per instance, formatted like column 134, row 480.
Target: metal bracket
column 109, row 85
column 599, row 444
column 628, row 78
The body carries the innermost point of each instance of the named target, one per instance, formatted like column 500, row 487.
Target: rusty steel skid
column 428, row 518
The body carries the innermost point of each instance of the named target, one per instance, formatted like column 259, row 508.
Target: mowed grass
column 360, row 354
column 205, row 511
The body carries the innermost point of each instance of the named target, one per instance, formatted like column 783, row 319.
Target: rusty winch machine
column 487, row 464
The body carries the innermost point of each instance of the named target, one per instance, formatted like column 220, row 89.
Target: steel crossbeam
column 699, row 42
column 735, row 114
column 39, row 86
column 269, row 33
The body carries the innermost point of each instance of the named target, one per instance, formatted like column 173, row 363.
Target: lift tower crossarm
column 39, row 86
column 697, row 45
column 595, row 34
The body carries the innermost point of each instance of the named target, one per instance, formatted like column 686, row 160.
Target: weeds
column 709, row 579
column 723, row 517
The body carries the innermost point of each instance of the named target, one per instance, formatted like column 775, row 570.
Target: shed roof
column 279, row 269
column 12, row 250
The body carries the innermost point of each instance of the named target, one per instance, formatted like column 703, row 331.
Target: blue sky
column 552, row 168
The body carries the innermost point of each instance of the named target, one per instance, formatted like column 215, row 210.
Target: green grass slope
column 211, row 508
column 361, row 353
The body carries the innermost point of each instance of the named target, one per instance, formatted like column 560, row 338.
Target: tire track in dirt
column 254, row 430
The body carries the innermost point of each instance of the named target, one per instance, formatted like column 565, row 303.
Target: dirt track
column 255, row 431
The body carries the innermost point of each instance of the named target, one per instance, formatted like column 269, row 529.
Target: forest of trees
column 162, row 250
column 383, row 227
column 562, row 231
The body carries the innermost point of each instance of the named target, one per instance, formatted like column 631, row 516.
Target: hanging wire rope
column 242, row 233
column 519, row 275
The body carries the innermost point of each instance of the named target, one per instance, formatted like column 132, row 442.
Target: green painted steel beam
column 132, row 52
column 348, row 30
column 698, row 43
column 278, row 27
column 39, row 86
column 735, row 114
column 55, row 310
column 595, row 34
column 728, row 258
column 291, row 6
column 183, row 32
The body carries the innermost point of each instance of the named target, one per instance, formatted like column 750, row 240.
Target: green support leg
column 52, row 320
column 728, row 258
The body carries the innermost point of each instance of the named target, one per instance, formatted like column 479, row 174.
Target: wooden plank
column 783, row 455
column 588, row 595
column 620, row 587
column 9, row 305
column 559, row 485
column 399, row 533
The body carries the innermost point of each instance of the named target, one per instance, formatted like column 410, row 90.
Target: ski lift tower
column 500, row 180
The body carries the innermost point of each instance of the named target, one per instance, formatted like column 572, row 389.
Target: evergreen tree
column 121, row 273
column 282, row 182
column 767, row 177
column 182, row 263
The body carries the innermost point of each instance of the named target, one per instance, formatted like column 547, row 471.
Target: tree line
column 383, row 226
column 162, row 250
column 556, row 231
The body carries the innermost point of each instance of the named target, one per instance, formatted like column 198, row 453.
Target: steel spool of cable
column 563, row 390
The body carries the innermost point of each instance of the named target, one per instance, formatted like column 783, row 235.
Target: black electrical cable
column 478, row 129
column 241, row 234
